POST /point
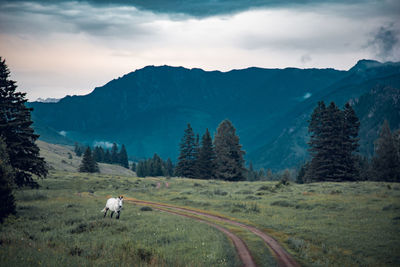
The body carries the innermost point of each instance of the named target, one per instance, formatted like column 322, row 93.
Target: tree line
column 98, row 154
column 221, row 158
column 154, row 166
column 333, row 147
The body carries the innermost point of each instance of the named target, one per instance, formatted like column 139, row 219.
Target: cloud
column 386, row 42
column 195, row 8
column 307, row 95
column 104, row 144
column 63, row 133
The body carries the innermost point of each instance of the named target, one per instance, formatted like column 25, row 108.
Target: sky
column 59, row 48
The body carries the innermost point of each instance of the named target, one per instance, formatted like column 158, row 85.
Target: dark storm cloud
column 71, row 17
column 385, row 42
column 201, row 8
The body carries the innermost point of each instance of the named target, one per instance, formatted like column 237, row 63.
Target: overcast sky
column 70, row 47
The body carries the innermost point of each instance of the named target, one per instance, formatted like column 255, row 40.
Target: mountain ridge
column 148, row 109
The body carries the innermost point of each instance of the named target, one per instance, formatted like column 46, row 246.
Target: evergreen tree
column 140, row 169
column 206, row 157
column 15, row 128
column 186, row 166
column 123, row 157
column 98, row 154
column 78, row 150
column 157, row 166
column 386, row 160
column 169, row 168
column 334, row 138
column 107, row 157
column 7, row 201
column 133, row 168
column 350, row 128
column 88, row 164
column 251, row 174
column 229, row 155
column 114, row 154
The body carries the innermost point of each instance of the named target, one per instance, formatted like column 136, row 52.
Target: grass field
column 322, row 224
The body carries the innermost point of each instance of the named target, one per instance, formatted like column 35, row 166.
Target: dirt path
column 283, row 258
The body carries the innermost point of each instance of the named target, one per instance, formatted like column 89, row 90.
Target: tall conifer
column 229, row 155
column 123, row 157
column 15, row 128
column 186, row 166
column 206, row 158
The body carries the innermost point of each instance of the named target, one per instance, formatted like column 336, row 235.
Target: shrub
column 146, row 208
column 220, row 192
column 282, row 203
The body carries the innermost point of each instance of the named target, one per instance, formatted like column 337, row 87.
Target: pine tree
column 350, row 128
column 15, row 128
column 107, row 157
column 186, row 166
column 123, row 157
column 156, row 166
column 140, row 169
column 98, row 154
column 229, row 155
column 206, row 157
column 88, row 164
column 114, row 154
column 78, row 150
column 334, row 138
column 169, row 168
column 386, row 160
column 133, row 168
column 7, row 201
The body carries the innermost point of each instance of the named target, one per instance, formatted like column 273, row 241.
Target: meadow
column 335, row 224
column 321, row 224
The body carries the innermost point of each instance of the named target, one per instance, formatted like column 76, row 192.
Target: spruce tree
column 133, row 168
column 333, row 139
column 114, row 154
column 7, row 201
column 351, row 126
column 15, row 128
column 107, row 157
column 157, row 166
column 169, row 168
column 386, row 160
column 88, row 164
column 229, row 155
column 123, row 157
column 186, row 166
column 98, row 154
column 206, row 157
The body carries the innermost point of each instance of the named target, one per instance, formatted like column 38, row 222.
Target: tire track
column 283, row 258
column 241, row 248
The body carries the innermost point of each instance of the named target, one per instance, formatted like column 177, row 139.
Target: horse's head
column 120, row 201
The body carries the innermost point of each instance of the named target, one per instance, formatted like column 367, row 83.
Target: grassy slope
column 337, row 224
column 63, row 158
column 61, row 224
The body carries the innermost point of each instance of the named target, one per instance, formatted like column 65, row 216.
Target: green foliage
column 229, row 155
column 206, row 158
column 154, row 167
column 7, row 202
column 88, row 163
column 187, row 160
column 334, row 138
column 386, row 161
column 16, row 130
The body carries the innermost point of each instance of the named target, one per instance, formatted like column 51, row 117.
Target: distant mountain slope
column 147, row 110
column 290, row 147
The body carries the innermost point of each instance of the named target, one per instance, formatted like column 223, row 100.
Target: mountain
column 148, row 109
column 290, row 147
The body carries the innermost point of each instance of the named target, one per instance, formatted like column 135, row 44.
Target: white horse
column 115, row 205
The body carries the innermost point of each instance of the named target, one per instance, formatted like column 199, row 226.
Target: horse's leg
column 112, row 213
column 105, row 213
column 118, row 214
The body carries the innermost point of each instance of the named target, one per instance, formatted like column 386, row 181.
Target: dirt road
column 283, row 258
